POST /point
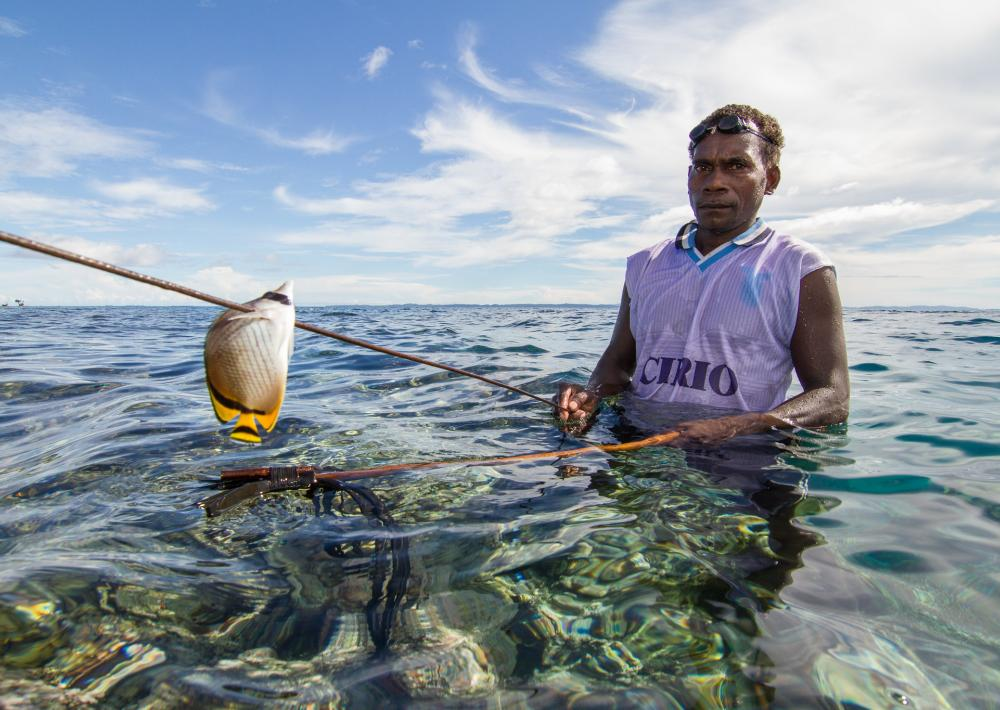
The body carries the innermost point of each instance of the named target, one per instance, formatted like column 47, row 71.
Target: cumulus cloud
column 51, row 141
column 11, row 28
column 375, row 61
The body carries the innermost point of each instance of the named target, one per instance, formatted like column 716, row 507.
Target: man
column 721, row 314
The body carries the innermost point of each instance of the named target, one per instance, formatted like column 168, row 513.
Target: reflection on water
column 851, row 568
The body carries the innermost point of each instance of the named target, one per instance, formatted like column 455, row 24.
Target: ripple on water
column 969, row 447
column 892, row 561
column 982, row 339
column 869, row 367
column 971, row 321
column 990, row 384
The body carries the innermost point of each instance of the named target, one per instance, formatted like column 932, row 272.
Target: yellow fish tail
column 269, row 419
column 246, row 429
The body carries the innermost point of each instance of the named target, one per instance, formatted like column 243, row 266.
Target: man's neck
column 708, row 241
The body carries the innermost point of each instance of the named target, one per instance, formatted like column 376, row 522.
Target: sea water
column 853, row 567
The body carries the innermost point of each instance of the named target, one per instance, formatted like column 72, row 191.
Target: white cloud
column 375, row 61
column 226, row 282
column 11, row 28
column 614, row 250
column 49, row 284
column 415, row 44
column 468, row 60
column 867, row 224
column 155, row 194
column 36, row 210
column 512, row 91
column 508, row 196
column 216, row 106
column 125, row 202
column 49, row 142
column 357, row 289
column 319, row 142
column 859, row 104
column 200, row 166
column 138, row 255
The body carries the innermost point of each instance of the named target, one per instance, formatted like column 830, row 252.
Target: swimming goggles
column 726, row 124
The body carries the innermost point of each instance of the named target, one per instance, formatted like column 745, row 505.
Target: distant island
column 920, row 309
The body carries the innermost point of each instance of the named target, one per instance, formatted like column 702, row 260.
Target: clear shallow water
column 854, row 568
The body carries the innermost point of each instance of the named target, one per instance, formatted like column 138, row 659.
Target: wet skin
column 727, row 181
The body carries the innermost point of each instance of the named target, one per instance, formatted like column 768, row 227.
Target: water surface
column 851, row 568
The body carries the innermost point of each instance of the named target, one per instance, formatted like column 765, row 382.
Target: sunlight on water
column 849, row 568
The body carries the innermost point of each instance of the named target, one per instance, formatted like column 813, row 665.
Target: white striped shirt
column 716, row 329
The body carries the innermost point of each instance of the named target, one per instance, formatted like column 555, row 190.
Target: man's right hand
column 578, row 403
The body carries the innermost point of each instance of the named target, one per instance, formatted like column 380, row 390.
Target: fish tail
column 269, row 419
column 246, row 429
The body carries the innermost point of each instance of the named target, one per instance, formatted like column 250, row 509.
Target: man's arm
column 819, row 355
column 611, row 375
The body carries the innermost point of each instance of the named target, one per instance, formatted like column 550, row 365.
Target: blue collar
column 757, row 232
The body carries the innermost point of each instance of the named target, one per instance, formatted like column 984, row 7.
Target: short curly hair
column 766, row 124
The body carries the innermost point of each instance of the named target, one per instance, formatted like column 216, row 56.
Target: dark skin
column 727, row 181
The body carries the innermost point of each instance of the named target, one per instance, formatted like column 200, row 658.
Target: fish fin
column 225, row 409
column 250, row 315
column 246, row 429
column 270, row 418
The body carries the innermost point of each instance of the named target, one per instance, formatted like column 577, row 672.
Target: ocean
column 857, row 567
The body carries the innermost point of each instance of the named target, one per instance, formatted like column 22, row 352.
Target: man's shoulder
column 660, row 247
column 806, row 255
column 783, row 240
column 652, row 251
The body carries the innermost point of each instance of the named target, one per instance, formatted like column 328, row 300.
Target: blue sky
column 456, row 152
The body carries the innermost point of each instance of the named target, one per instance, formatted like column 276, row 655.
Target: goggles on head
column 726, row 124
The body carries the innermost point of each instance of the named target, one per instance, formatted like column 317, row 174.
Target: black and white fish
column 246, row 362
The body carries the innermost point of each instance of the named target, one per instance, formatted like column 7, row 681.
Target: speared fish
column 246, row 362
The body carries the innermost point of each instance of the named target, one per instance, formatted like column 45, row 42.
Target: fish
column 246, row 362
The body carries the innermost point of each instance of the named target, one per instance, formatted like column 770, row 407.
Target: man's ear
column 773, row 177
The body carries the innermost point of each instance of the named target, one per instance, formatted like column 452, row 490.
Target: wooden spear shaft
column 249, row 474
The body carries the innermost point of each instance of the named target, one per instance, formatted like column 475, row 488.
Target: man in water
column 722, row 313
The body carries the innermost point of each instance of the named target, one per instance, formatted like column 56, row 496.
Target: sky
column 456, row 152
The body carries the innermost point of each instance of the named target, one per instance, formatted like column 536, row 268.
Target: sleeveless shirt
column 716, row 329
